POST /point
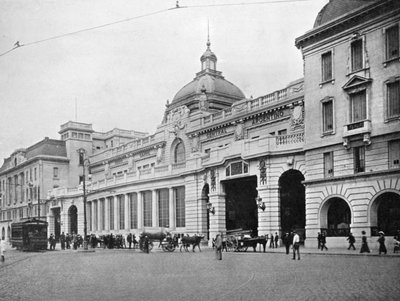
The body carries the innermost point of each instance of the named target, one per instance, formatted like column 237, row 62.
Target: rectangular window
column 282, row 132
column 328, row 164
column 357, row 55
column 163, row 208
column 55, row 172
column 327, row 116
column 81, row 158
column 133, row 210
column 35, row 171
column 147, row 208
column 394, row 154
column 80, row 135
column 392, row 42
column 180, row 206
column 111, row 211
column 326, row 62
column 121, row 206
column 358, row 106
column 393, row 99
column 359, row 159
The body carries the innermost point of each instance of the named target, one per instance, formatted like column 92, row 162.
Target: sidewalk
column 330, row 251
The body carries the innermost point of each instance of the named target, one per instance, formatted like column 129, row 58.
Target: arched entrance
column 335, row 217
column 385, row 214
column 205, row 199
column 73, row 219
column 241, row 207
column 292, row 202
column 57, row 222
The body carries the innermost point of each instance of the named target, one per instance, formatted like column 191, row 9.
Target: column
column 99, row 218
column 217, row 220
column 116, row 213
column 107, row 215
column 172, row 207
column 127, row 211
column 154, row 208
column 140, row 210
column 269, row 219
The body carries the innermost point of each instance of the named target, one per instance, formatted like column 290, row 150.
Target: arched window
column 179, row 153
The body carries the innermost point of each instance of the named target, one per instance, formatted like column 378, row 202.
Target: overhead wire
column 18, row 44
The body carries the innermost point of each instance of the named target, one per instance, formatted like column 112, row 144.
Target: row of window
column 97, row 221
column 19, row 213
column 78, row 135
column 357, row 51
column 358, row 104
column 359, row 158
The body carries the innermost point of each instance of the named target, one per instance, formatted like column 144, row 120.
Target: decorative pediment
column 356, row 81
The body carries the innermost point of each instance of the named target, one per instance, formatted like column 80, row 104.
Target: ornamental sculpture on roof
column 178, row 113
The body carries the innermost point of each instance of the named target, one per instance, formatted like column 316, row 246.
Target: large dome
column 209, row 90
column 211, row 85
column 337, row 8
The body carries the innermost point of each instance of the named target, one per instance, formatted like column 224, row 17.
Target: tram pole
column 82, row 153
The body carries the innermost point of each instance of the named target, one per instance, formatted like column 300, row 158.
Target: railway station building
column 319, row 155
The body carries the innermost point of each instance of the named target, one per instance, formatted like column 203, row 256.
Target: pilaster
column 140, row 210
column 154, row 208
column 269, row 219
column 127, row 211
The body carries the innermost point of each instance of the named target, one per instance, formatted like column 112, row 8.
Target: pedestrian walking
column 146, row 244
column 276, row 239
column 323, row 241
column 296, row 245
column 364, row 244
column 2, row 249
column 129, row 239
column 381, row 240
column 287, row 241
column 351, row 240
column 68, row 241
column 319, row 240
column 271, row 242
column 51, row 242
column 62, row 241
column 218, row 246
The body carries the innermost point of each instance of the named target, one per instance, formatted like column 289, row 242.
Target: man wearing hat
column 296, row 245
column 381, row 240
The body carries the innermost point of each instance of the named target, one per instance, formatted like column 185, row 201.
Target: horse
column 186, row 241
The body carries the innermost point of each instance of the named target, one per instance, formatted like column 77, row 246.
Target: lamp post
column 82, row 153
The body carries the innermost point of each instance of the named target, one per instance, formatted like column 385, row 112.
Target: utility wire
column 19, row 45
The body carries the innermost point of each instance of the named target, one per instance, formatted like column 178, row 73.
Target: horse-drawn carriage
column 167, row 241
column 240, row 240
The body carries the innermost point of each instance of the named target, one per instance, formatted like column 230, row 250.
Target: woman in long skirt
column 364, row 244
column 381, row 240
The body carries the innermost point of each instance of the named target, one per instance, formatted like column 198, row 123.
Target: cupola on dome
column 209, row 87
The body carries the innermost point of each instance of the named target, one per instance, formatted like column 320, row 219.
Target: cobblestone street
column 133, row 275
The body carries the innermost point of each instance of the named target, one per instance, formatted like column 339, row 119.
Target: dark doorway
column 57, row 223
column 293, row 204
column 339, row 218
column 241, row 207
column 205, row 199
column 73, row 219
column 389, row 213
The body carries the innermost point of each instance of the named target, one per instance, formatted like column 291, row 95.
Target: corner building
column 217, row 162
column 352, row 125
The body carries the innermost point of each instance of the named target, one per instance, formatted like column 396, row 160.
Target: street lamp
column 82, row 160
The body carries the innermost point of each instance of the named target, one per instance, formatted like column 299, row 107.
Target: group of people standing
column 66, row 240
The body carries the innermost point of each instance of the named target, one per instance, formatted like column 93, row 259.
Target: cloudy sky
column 122, row 74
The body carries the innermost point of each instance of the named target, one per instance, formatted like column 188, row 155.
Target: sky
column 121, row 75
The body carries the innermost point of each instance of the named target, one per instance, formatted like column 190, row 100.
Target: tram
column 29, row 235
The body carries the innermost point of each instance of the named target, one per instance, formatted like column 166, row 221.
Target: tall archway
column 385, row 213
column 204, row 197
column 73, row 219
column 335, row 217
column 241, row 207
column 292, row 202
